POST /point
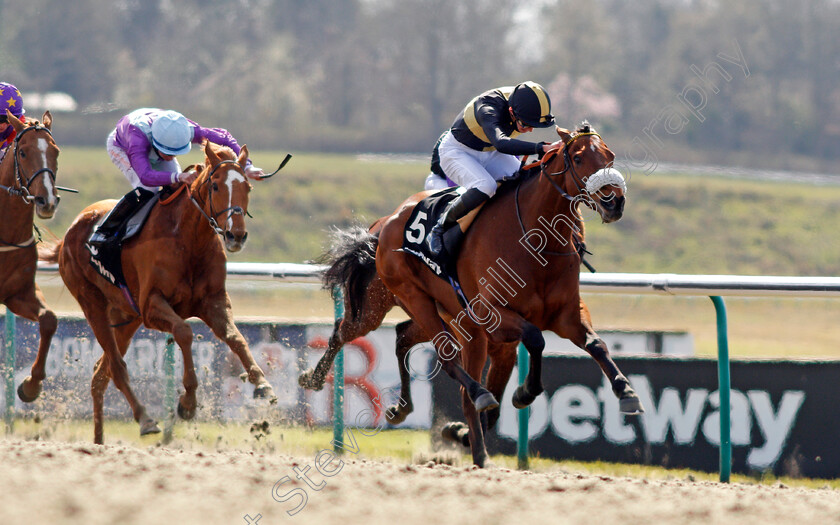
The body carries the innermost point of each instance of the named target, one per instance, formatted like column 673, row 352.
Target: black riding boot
column 459, row 207
column 112, row 223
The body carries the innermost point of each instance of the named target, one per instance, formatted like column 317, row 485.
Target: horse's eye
column 22, row 154
column 215, row 187
column 577, row 159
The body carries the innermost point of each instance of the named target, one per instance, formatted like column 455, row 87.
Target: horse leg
column 502, row 360
column 586, row 338
column 100, row 324
column 160, row 315
column 409, row 334
column 98, row 385
column 218, row 315
column 534, row 343
column 376, row 303
column 31, row 305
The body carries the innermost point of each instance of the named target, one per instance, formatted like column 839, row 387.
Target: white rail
column 628, row 283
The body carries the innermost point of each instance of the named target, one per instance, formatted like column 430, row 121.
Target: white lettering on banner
column 775, row 428
column 683, row 421
column 740, row 422
column 573, row 411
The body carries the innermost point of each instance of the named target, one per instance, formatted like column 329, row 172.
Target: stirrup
column 434, row 241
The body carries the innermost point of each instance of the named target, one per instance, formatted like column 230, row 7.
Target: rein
column 543, row 164
column 233, row 210
column 21, row 187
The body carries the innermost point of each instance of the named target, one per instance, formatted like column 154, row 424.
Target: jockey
column 479, row 149
column 9, row 99
column 144, row 146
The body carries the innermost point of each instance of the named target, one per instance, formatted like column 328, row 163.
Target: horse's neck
column 193, row 220
column 15, row 214
column 543, row 207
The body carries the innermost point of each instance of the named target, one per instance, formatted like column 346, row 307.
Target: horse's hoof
column 456, row 432
column 185, row 413
column 264, row 391
column 522, row 398
column 395, row 416
column 631, row 405
column 485, row 401
column 307, row 380
column 21, row 391
column 149, row 426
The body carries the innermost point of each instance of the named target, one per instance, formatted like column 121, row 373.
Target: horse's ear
column 565, row 134
column 243, row 155
column 211, row 155
column 14, row 121
column 47, row 120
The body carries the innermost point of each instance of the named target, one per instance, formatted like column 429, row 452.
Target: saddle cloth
column 423, row 218
column 107, row 259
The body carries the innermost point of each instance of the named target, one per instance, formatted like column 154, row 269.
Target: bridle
column 22, row 184
column 578, row 181
column 214, row 215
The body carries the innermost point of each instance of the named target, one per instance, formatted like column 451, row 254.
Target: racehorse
column 519, row 288
column 174, row 269
column 27, row 186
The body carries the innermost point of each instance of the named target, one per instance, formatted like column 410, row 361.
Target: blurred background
column 725, row 116
column 390, row 76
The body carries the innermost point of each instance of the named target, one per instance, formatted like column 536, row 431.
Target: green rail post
column 10, row 371
column 523, row 414
column 724, row 390
column 169, row 392
column 338, row 383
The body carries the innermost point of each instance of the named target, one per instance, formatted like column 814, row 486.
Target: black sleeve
column 490, row 122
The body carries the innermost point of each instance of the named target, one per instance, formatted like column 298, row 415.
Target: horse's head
column 228, row 190
column 36, row 162
column 584, row 161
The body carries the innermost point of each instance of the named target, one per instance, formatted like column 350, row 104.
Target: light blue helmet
column 172, row 133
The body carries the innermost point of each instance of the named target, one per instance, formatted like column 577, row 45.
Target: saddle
column 424, row 216
column 107, row 259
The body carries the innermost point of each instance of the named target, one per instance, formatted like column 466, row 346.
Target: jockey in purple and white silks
column 143, row 146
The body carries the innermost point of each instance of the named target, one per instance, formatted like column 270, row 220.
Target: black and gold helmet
column 531, row 105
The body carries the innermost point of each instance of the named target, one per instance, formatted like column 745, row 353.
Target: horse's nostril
column 229, row 236
column 245, row 237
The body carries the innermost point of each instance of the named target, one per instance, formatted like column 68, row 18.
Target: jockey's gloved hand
column 253, row 172
column 187, row 176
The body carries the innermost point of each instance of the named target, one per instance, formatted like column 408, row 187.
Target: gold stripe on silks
column 473, row 125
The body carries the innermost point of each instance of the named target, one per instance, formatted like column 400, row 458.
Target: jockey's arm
column 500, row 140
column 223, row 138
column 138, row 155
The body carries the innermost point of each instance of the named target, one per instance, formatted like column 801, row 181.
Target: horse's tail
column 48, row 251
column 351, row 261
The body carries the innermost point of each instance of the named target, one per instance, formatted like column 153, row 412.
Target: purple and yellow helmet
column 10, row 99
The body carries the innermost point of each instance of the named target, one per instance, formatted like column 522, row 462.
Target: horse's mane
column 223, row 152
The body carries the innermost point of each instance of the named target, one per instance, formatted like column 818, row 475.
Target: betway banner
column 785, row 417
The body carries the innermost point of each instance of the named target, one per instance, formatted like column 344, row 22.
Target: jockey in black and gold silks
column 480, row 147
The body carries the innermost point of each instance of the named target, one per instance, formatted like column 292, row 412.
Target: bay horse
column 533, row 287
column 174, row 269
column 27, row 187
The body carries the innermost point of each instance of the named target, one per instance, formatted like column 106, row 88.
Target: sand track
column 59, row 483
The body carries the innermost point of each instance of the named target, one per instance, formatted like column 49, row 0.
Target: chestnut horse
column 174, row 269
column 27, row 187
column 517, row 263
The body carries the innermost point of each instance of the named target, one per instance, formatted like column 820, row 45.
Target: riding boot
column 458, row 208
column 112, row 223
